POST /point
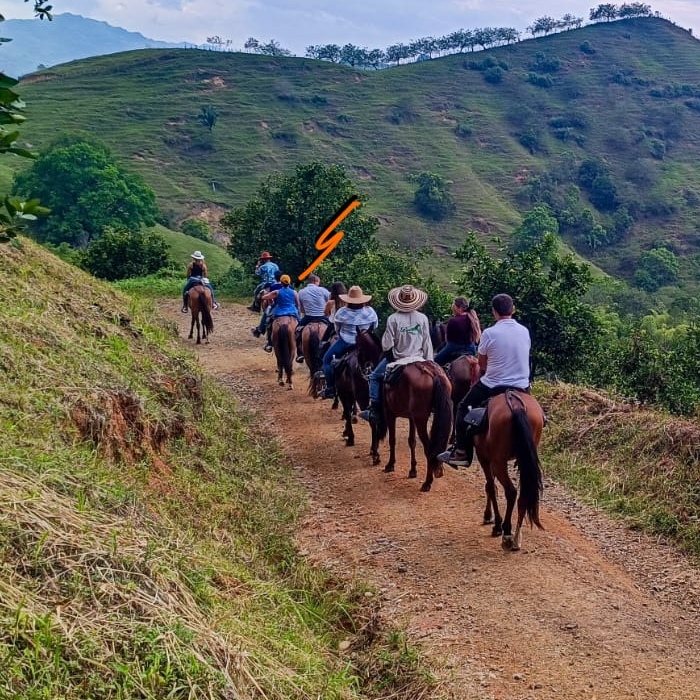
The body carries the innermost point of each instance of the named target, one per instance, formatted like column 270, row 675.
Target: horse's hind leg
column 413, row 472
column 422, row 428
column 492, row 514
column 510, row 493
column 391, row 427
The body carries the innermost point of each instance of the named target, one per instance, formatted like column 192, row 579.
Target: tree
column 197, row 228
column 87, row 191
column 606, row 11
column 537, row 223
column 118, row 255
column 208, row 116
column 287, row 214
column 547, row 290
column 655, row 268
column 433, row 198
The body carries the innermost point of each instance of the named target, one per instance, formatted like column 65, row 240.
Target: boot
column 372, row 413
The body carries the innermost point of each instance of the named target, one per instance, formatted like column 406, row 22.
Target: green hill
column 625, row 93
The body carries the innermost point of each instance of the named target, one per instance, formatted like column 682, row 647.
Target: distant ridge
column 67, row 38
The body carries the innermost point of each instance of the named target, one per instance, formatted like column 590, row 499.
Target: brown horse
column 200, row 303
column 311, row 335
column 463, row 373
column 352, row 385
column 285, row 347
column 422, row 389
column 515, row 422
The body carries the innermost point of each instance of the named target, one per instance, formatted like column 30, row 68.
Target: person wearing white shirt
column 504, row 361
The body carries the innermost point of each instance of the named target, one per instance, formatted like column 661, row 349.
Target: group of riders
column 502, row 350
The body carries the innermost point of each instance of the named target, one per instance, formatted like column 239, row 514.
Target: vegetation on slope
column 145, row 537
column 619, row 93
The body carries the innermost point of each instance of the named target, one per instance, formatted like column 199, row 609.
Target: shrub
column 493, row 75
column 657, row 149
column 463, row 130
column 432, row 198
column 545, row 64
column 543, row 81
column 587, row 48
column 196, row 228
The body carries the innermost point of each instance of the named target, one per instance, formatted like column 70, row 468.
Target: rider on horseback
column 504, row 359
column 286, row 303
column 407, row 335
column 264, row 323
column 264, row 269
column 312, row 302
column 462, row 333
column 197, row 274
column 348, row 320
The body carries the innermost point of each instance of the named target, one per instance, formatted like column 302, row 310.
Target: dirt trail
column 587, row 609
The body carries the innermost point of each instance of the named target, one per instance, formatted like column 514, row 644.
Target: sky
column 296, row 24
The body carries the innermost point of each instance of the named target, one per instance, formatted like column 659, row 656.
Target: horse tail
column 441, row 428
column 314, row 345
column 207, row 320
column 528, row 464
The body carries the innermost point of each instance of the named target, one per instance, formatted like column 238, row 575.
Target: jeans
column 376, row 378
column 334, row 349
column 451, row 351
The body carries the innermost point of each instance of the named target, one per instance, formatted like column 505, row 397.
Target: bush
column 118, row 255
column 196, row 228
column 545, row 64
column 587, row 48
column 432, row 198
column 493, row 75
column 543, row 81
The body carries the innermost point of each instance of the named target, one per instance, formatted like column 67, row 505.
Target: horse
column 352, row 385
column 422, row 389
column 515, row 422
column 284, row 345
column 200, row 303
column 311, row 335
column 463, row 373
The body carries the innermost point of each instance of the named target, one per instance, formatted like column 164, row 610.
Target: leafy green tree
column 656, row 268
column 288, row 213
column 432, row 197
column 208, row 116
column 118, row 255
column 196, row 228
column 87, row 191
column 548, row 292
column 537, row 223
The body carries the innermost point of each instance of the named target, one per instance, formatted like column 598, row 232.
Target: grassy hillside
column 145, row 524
column 384, row 126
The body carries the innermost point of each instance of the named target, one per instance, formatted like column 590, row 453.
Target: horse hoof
column 507, row 543
column 349, row 443
column 290, row 387
column 281, row 383
column 496, row 531
column 389, row 468
column 425, row 488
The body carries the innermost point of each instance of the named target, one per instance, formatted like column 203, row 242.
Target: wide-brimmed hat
column 407, row 298
column 197, row 255
column 355, row 295
column 265, row 255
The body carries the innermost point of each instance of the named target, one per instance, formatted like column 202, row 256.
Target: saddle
column 339, row 361
column 393, row 374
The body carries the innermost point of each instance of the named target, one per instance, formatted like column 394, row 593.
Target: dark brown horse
column 352, row 385
column 285, row 347
column 200, row 303
column 515, row 422
column 311, row 335
column 422, row 389
column 463, row 373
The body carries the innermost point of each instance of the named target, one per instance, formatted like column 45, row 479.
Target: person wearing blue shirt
column 264, row 269
column 348, row 320
column 285, row 302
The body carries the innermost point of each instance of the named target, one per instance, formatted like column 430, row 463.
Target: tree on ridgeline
column 607, row 11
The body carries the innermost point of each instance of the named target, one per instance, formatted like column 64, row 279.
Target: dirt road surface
column 587, row 609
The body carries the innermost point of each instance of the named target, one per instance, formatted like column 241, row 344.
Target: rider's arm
column 269, row 295
column 297, row 301
column 482, row 364
column 388, row 338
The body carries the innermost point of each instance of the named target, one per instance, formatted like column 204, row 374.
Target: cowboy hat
column 265, row 255
column 355, row 295
column 407, row 298
column 197, row 255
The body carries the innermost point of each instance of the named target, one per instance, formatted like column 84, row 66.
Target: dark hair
column 337, row 288
column 502, row 304
column 278, row 274
column 314, row 279
column 461, row 303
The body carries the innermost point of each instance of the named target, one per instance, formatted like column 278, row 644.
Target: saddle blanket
column 404, row 361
